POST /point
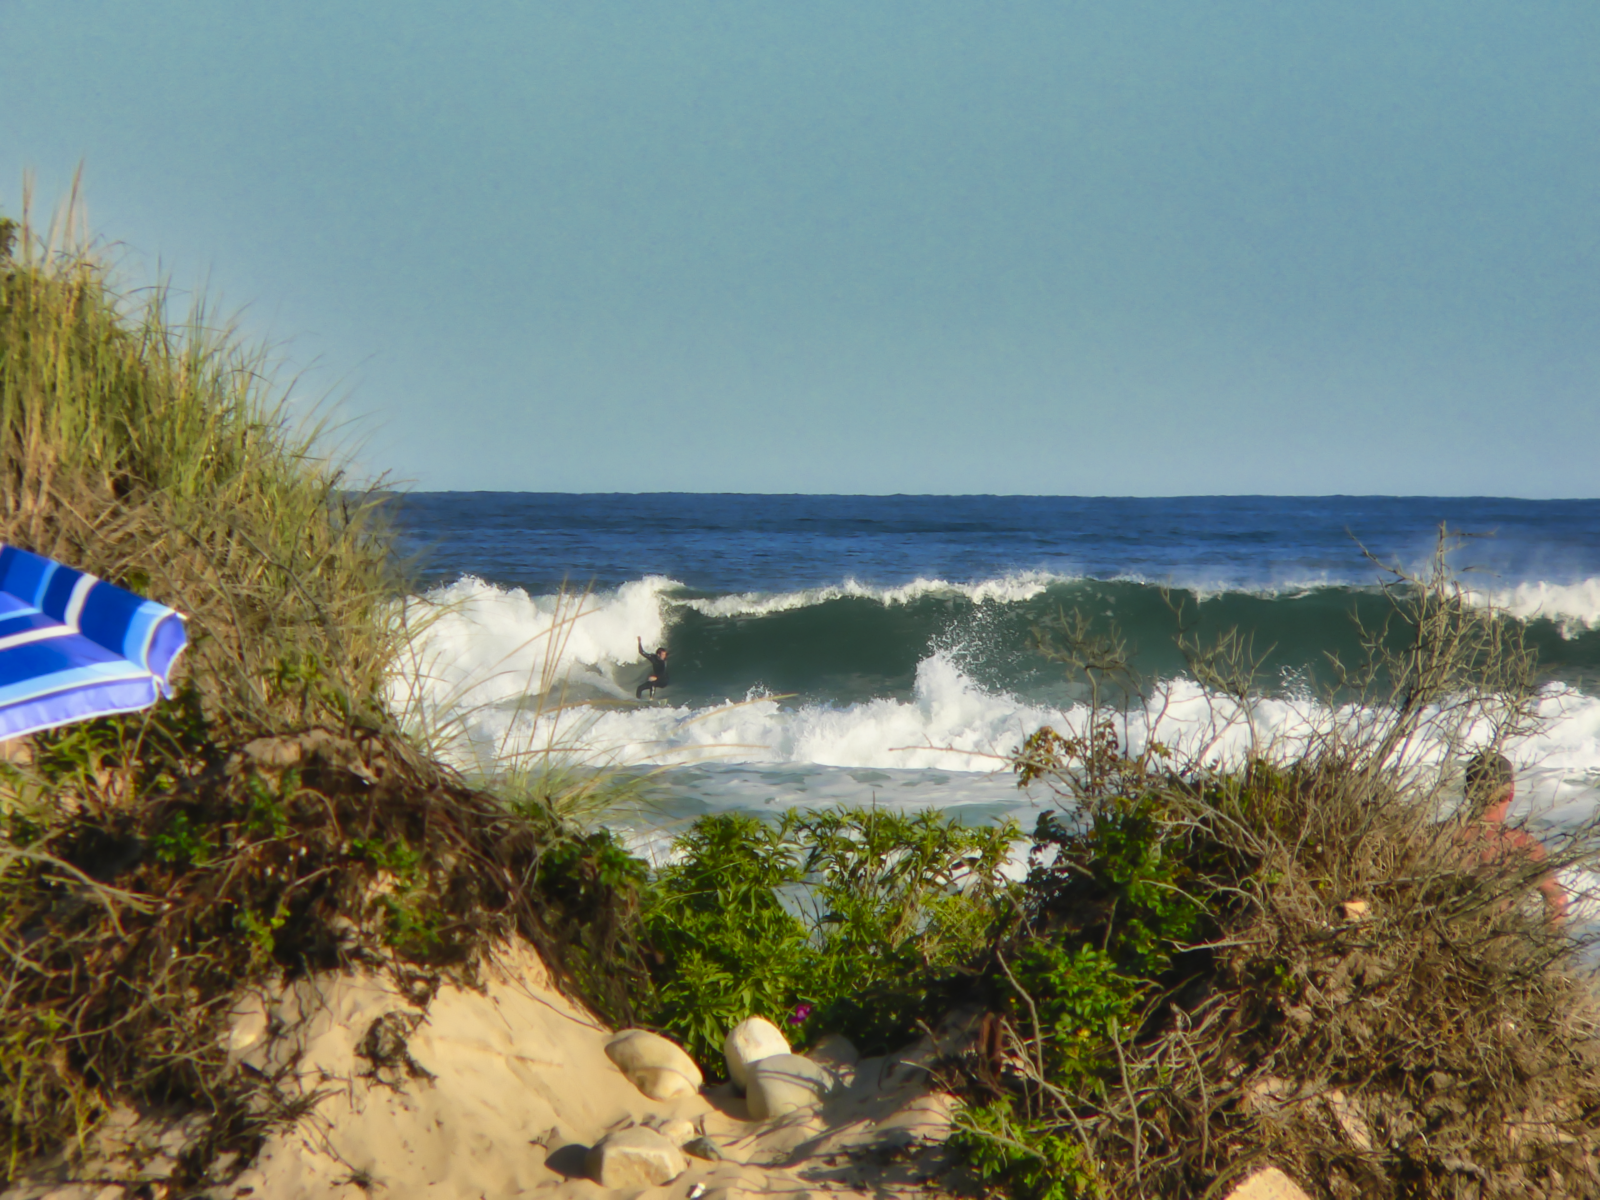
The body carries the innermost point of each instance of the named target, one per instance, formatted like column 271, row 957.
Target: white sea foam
column 480, row 644
column 1008, row 589
column 1574, row 607
column 952, row 725
column 484, row 649
column 477, row 645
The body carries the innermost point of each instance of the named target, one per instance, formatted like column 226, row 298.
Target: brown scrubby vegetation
column 1308, row 961
column 188, row 873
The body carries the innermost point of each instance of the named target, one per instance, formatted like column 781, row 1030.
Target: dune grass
column 156, row 451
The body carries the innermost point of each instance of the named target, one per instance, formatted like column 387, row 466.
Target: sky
column 1142, row 247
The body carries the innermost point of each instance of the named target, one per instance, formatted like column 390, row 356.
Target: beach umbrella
column 73, row 646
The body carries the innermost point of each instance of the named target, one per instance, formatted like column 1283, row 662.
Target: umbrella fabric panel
column 16, row 617
column 42, row 583
column 49, row 666
column 74, row 646
column 139, row 630
column 77, row 704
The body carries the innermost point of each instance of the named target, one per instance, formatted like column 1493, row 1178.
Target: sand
column 500, row 1093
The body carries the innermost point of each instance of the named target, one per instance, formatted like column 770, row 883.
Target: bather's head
column 1490, row 785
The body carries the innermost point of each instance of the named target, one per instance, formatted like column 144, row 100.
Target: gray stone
column 748, row 1042
column 786, row 1083
column 634, row 1157
column 703, row 1147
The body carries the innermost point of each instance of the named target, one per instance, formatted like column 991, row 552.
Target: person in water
column 1491, row 787
column 658, row 670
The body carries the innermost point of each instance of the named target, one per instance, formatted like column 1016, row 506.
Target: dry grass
column 190, row 873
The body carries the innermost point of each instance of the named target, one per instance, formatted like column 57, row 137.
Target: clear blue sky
column 1127, row 247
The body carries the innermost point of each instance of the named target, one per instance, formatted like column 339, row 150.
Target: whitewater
column 519, row 678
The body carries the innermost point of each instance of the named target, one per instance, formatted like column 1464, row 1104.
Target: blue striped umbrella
column 73, row 646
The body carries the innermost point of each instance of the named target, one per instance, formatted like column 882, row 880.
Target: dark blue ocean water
column 748, row 543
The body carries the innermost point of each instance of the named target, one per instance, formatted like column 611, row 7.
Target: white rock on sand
column 656, row 1066
column 1269, row 1183
column 785, row 1083
column 635, row 1157
column 676, row 1130
column 834, row 1050
column 750, row 1041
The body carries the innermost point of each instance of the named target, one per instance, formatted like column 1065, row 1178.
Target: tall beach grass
column 155, row 450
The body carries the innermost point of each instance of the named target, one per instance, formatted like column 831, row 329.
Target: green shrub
column 182, row 843
column 730, row 947
column 1030, row 1160
column 854, row 920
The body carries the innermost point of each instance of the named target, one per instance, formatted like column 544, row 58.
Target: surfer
column 1491, row 787
column 658, row 670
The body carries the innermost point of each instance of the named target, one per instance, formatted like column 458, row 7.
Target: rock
column 834, row 1050
column 676, row 1130
column 1355, row 910
column 786, row 1083
column 634, row 1157
column 703, row 1147
column 1347, row 1115
column 927, row 1119
column 274, row 753
column 661, row 1083
column 911, row 1068
column 748, row 1042
column 1269, row 1183
column 657, row 1067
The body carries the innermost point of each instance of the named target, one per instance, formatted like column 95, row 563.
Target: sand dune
column 500, row 1093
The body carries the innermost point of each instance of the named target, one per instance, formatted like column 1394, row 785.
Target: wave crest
column 1573, row 607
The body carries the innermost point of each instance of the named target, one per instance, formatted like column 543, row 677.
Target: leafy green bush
column 854, row 920
column 1025, row 1157
column 1110, row 907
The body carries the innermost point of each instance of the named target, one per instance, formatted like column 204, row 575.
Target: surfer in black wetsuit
column 658, row 670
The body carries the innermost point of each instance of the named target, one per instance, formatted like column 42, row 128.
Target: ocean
column 883, row 649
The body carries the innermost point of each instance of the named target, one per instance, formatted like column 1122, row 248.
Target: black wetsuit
column 658, row 674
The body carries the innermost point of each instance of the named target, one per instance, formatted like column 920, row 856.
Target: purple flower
column 800, row 1013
